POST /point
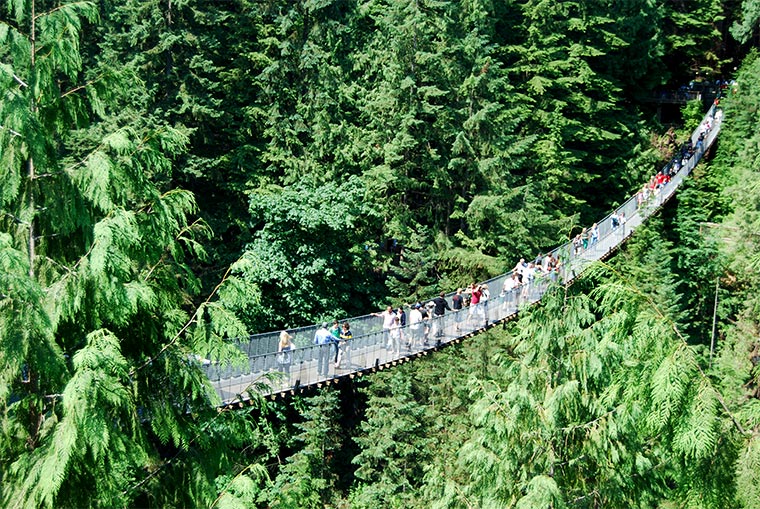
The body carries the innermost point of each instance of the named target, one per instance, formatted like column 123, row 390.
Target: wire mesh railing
column 372, row 346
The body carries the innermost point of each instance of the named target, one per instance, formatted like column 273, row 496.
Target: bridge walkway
column 368, row 350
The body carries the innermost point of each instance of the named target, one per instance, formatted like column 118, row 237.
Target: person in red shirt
column 475, row 307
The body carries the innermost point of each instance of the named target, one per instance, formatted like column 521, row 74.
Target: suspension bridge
column 367, row 351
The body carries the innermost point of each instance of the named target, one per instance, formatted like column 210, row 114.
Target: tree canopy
column 179, row 174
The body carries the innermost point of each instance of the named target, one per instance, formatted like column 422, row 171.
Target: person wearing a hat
column 323, row 339
column 285, row 355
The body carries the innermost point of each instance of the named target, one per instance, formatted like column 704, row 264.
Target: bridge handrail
column 261, row 349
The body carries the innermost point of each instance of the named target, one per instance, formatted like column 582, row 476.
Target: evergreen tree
column 648, row 261
column 401, row 100
column 580, row 126
column 738, row 351
column 696, row 250
column 743, row 28
column 736, row 364
column 307, row 479
column 692, row 40
column 390, row 463
column 416, row 274
column 194, row 67
column 635, row 57
column 98, row 372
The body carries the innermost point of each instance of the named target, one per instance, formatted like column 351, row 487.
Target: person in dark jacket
column 439, row 309
column 457, row 302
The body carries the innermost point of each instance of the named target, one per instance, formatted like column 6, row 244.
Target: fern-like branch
column 84, row 3
column 194, row 439
column 80, row 87
column 185, row 326
column 676, row 330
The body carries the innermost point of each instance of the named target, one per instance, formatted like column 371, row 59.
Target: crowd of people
column 334, row 342
column 416, row 325
column 588, row 237
column 658, row 181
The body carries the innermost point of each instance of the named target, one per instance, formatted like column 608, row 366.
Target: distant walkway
column 702, row 91
column 368, row 350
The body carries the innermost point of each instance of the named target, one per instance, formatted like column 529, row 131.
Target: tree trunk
column 30, row 163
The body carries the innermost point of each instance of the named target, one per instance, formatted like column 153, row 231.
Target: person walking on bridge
column 401, row 314
column 594, row 234
column 335, row 331
column 475, row 294
column 285, row 355
column 346, row 336
column 510, row 292
column 388, row 317
column 484, row 298
column 395, row 336
column 439, row 309
column 323, row 339
column 457, row 303
column 415, row 326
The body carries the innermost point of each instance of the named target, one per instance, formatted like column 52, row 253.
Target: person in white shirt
column 395, row 335
column 509, row 291
column 388, row 317
column 415, row 326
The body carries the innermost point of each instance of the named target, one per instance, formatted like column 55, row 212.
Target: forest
column 175, row 174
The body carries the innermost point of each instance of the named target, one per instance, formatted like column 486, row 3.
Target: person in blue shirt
column 323, row 339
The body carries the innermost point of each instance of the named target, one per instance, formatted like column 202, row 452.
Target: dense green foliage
column 607, row 395
column 470, row 131
column 178, row 173
column 97, row 377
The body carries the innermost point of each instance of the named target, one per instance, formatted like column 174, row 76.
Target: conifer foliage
column 603, row 404
column 317, row 133
column 390, row 465
column 308, row 478
column 95, row 369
